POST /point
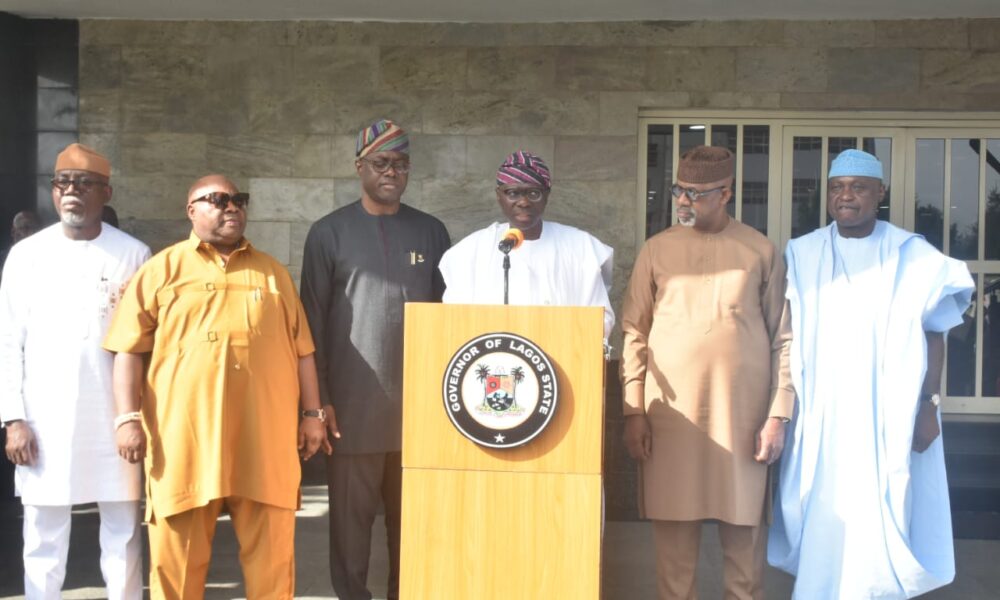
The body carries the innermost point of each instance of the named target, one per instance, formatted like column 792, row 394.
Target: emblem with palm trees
column 499, row 389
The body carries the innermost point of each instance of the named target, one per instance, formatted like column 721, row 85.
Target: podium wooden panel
column 489, row 523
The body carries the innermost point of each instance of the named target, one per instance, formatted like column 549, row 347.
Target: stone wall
column 276, row 105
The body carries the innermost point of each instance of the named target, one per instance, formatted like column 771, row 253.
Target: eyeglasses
column 84, row 184
column 677, row 191
column 859, row 189
column 221, row 200
column 381, row 165
column 532, row 194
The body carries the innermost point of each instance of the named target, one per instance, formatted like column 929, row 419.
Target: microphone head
column 515, row 235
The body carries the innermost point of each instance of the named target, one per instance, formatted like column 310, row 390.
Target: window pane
column 756, row 150
column 992, row 199
column 929, row 194
column 725, row 136
column 882, row 149
column 991, row 335
column 836, row 145
column 806, row 160
column 691, row 136
column 962, row 356
column 963, row 233
column 659, row 177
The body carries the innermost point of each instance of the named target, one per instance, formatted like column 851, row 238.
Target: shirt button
column 237, row 366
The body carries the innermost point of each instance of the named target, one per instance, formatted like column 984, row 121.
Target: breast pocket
column 416, row 275
column 265, row 309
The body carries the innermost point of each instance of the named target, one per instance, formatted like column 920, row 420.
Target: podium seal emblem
column 500, row 390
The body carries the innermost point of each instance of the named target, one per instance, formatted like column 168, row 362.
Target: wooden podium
column 482, row 523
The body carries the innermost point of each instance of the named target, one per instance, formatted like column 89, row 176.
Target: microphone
column 511, row 240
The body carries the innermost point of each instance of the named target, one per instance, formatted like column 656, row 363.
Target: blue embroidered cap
column 855, row 163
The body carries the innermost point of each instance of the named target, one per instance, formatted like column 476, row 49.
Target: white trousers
column 46, row 545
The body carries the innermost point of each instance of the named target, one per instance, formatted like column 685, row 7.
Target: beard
column 687, row 221
column 72, row 219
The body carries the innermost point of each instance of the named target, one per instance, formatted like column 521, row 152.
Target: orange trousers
column 180, row 548
column 744, row 549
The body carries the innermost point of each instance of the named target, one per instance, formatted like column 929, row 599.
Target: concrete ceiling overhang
column 509, row 11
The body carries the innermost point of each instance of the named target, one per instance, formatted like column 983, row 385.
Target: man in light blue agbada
column 862, row 509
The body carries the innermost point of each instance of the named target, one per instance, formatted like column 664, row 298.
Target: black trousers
column 358, row 482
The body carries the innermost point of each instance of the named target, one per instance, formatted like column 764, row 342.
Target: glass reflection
column 992, row 199
column 962, row 355
column 756, row 151
column 929, row 193
column 963, row 233
column 882, row 149
column 691, row 136
column 725, row 136
column 807, row 159
column 659, row 177
column 991, row 335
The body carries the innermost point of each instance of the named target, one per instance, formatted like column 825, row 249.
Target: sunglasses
column 221, row 200
column 84, row 184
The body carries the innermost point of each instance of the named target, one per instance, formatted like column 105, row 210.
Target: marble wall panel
column 690, row 69
column 178, row 154
column 164, row 67
column 961, row 71
column 600, row 68
column 430, row 68
column 619, row 111
column 231, row 70
column 830, row 34
column 312, row 155
column 781, row 69
column 272, row 237
column 437, row 156
column 559, row 113
column 100, row 110
column 151, row 197
column 984, row 34
column 468, row 113
column 250, row 155
column 100, row 67
column 595, row 158
column 290, row 200
column 923, row 33
column 512, row 68
column 485, row 153
column 873, row 70
column 336, row 67
column 156, row 233
column 464, row 204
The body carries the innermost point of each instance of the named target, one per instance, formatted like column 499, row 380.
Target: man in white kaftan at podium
column 862, row 509
column 60, row 288
column 555, row 265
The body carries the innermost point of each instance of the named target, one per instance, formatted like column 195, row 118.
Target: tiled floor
column 627, row 572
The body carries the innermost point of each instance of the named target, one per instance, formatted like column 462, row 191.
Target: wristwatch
column 934, row 399
column 317, row 413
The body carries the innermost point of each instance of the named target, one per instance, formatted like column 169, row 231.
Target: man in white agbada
column 556, row 264
column 60, row 287
column 862, row 509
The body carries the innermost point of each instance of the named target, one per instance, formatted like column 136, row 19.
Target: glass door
column 954, row 175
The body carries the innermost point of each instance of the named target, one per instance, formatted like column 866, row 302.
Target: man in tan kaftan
column 705, row 379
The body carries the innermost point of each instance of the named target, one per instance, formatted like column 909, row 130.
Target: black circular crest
column 500, row 390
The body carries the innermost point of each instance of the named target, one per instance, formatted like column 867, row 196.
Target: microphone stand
column 506, row 273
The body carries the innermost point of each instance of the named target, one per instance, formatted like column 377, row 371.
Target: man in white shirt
column 556, row 264
column 59, row 290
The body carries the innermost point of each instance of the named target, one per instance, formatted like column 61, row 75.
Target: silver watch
column 317, row 413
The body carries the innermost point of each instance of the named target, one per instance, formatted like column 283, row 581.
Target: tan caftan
column 705, row 357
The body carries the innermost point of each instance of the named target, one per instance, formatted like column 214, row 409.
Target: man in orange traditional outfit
column 229, row 353
column 705, row 379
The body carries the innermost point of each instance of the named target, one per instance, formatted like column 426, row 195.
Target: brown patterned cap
column 706, row 164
